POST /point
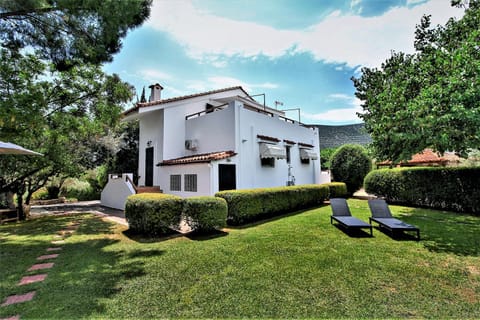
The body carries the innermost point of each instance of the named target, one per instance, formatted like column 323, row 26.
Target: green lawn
column 297, row 266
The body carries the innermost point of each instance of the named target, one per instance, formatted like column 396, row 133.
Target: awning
column 268, row 150
column 306, row 154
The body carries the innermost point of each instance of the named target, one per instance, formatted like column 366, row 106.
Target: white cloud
column 346, row 115
column 342, row 115
column 349, row 39
column 153, row 76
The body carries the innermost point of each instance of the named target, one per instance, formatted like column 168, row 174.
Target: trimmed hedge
column 456, row 189
column 205, row 214
column 153, row 213
column 337, row 190
column 254, row 204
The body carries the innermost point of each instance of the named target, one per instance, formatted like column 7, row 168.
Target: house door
column 149, row 167
column 226, row 177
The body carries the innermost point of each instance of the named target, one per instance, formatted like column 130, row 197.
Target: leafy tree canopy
column 430, row 98
column 67, row 32
column 63, row 115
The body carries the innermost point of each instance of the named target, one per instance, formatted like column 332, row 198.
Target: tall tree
column 61, row 115
column 430, row 98
column 68, row 32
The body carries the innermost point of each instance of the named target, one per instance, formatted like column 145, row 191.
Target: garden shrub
column 205, row 214
column 350, row 164
column 153, row 213
column 80, row 190
column 41, row 194
column 254, row 204
column 337, row 190
column 456, row 189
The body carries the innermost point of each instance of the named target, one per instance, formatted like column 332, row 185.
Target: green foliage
column 78, row 189
column 337, row 190
column 428, row 99
column 454, row 189
column 41, row 194
column 153, row 213
column 61, row 116
column 350, row 164
column 254, row 204
column 70, row 32
column 326, row 157
column 205, row 214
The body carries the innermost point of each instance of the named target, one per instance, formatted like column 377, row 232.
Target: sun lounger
column 341, row 214
column 381, row 214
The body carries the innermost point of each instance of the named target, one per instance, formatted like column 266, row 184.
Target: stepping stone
column 48, row 256
column 41, row 266
column 54, row 249
column 57, row 236
column 32, row 279
column 18, row 298
column 17, row 317
column 58, row 242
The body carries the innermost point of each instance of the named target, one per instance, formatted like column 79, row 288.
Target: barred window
column 176, row 182
column 191, row 182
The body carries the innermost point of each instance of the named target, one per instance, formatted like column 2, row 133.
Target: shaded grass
column 295, row 267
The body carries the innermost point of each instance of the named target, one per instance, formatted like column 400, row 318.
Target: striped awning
column 268, row 150
column 306, row 154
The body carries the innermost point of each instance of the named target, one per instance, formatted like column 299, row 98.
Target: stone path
column 34, row 277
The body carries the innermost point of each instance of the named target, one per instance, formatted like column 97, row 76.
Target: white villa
column 221, row 140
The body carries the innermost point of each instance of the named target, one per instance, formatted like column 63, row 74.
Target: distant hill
column 335, row 136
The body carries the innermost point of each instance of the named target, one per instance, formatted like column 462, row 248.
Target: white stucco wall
column 151, row 129
column 202, row 170
column 213, row 131
column 255, row 175
column 116, row 191
column 234, row 128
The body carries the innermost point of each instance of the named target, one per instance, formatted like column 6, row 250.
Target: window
column 305, row 161
column 287, row 149
column 268, row 162
column 176, row 182
column 191, row 182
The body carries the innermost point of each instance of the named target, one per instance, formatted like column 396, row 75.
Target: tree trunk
column 21, row 213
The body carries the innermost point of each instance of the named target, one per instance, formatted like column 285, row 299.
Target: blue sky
column 299, row 52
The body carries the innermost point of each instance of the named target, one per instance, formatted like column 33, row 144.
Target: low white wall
column 115, row 193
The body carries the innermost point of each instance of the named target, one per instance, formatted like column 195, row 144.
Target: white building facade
column 221, row 140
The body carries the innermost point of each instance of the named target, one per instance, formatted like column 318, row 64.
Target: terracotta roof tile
column 163, row 101
column 198, row 158
column 426, row 157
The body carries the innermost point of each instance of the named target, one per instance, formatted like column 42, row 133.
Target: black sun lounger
column 341, row 214
column 381, row 214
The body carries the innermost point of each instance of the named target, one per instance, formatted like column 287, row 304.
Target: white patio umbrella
column 11, row 148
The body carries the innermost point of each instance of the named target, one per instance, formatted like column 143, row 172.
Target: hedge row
column 337, row 190
column 456, row 189
column 253, row 204
column 153, row 213
column 157, row 213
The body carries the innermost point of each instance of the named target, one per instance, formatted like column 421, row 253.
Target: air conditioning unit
column 191, row 144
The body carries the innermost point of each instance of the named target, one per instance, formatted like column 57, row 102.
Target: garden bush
column 205, row 214
column 78, row 189
column 153, row 213
column 337, row 190
column 254, row 204
column 456, row 189
column 41, row 194
column 350, row 164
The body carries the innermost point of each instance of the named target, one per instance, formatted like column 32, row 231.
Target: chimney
column 156, row 89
